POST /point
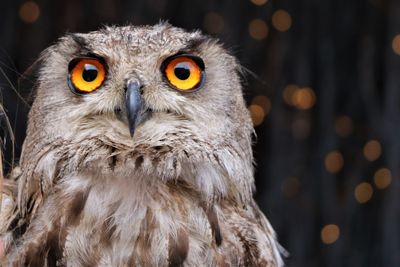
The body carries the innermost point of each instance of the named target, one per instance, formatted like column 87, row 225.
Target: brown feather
column 178, row 249
column 214, row 224
column 73, row 215
column 143, row 243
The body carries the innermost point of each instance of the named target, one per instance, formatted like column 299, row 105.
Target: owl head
column 154, row 102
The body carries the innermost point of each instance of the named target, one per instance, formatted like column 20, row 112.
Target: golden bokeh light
column 259, row 2
column 396, row 44
column 213, row 22
column 304, row 98
column 257, row 114
column 29, row 12
column 263, row 102
column 281, row 20
column 258, row 29
column 343, row 126
column 330, row 234
column 291, row 186
column 363, row 192
column 372, row 150
column 382, row 178
column 288, row 93
column 334, row 162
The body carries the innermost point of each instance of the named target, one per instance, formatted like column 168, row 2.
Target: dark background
column 323, row 88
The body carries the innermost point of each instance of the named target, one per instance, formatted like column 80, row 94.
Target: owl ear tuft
column 79, row 40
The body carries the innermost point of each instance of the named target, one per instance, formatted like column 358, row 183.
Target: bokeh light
column 334, row 162
column 257, row 114
column 288, row 93
column 281, row 20
column 343, row 126
column 29, row 12
column 213, row 23
column 363, row 192
column 259, row 108
column 263, row 102
column 396, row 44
column 258, row 29
column 304, row 98
column 259, row 2
column 382, row 178
column 372, row 150
column 301, row 98
column 330, row 234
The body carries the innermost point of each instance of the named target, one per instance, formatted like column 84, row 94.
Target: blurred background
column 323, row 90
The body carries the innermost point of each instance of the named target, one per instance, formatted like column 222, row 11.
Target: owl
column 138, row 153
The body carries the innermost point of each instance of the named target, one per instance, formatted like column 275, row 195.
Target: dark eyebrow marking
column 79, row 40
column 194, row 44
column 83, row 45
column 84, row 49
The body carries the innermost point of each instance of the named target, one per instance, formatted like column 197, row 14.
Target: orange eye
column 86, row 75
column 184, row 72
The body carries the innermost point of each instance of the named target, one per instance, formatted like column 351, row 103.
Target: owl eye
column 184, row 72
column 86, row 75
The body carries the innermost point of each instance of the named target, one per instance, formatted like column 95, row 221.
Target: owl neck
column 215, row 172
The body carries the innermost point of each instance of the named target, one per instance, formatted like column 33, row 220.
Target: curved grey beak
column 133, row 104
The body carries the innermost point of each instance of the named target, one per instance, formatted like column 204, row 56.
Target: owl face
column 123, row 77
column 153, row 86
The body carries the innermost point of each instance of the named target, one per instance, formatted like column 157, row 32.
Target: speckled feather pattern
column 177, row 193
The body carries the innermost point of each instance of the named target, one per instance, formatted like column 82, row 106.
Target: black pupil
column 89, row 72
column 182, row 71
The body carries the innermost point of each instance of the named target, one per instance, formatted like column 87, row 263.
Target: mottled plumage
column 177, row 193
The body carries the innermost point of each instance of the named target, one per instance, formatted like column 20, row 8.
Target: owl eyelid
column 198, row 60
column 91, row 56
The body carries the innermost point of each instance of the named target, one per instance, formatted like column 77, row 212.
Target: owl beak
column 133, row 104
